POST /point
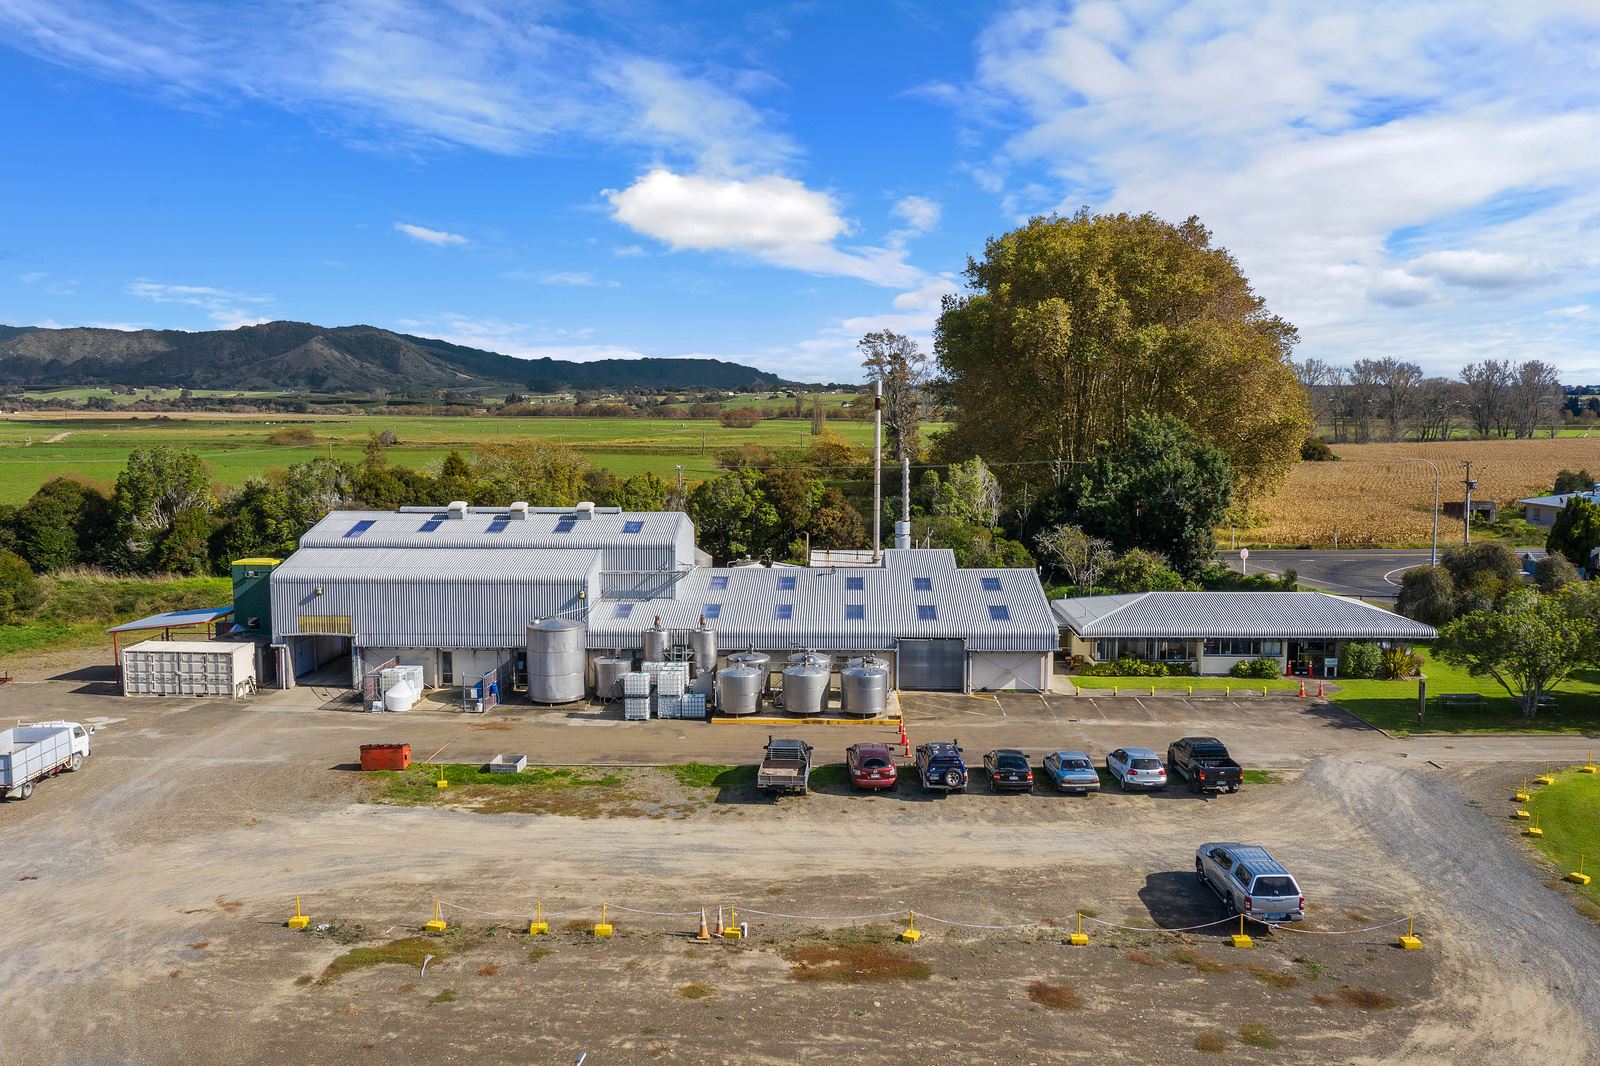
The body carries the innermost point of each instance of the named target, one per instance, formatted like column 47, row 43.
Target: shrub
column 1316, row 450
column 1262, row 668
column 292, row 435
column 739, row 417
column 19, row 589
column 1399, row 663
column 1360, row 660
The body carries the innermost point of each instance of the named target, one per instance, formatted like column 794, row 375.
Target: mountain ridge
column 302, row 355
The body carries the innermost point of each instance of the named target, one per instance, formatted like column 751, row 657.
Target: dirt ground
column 152, row 889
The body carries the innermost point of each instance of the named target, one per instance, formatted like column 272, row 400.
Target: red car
column 871, row 766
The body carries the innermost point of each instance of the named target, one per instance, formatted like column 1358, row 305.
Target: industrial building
column 454, row 590
column 1208, row 632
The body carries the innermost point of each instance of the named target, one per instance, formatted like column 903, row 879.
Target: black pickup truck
column 1205, row 764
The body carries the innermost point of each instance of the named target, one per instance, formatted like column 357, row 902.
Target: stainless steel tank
column 739, row 689
column 556, row 660
column 656, row 642
column 805, row 686
column 755, row 660
column 608, row 671
column 864, row 687
column 703, row 641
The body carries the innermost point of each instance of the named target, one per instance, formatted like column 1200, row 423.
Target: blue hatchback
column 1071, row 771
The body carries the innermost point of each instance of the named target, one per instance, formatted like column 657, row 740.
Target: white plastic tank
column 556, row 660
column 608, row 673
column 805, row 685
column 864, row 687
column 401, row 696
column 739, row 689
column 656, row 642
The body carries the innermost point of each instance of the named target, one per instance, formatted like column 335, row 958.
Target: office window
column 999, row 612
column 783, row 612
column 710, row 611
column 927, row 612
column 855, row 584
column 855, row 612
column 922, row 584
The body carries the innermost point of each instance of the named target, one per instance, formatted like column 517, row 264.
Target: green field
column 33, row 450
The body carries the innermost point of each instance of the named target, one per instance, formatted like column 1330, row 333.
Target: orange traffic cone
column 1302, row 690
column 704, row 935
column 720, row 930
column 1320, row 692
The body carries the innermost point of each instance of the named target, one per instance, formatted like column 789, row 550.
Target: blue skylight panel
column 499, row 524
column 783, row 612
column 855, row 584
column 922, row 584
column 710, row 611
column 999, row 612
column 991, row 584
column 786, row 584
column 433, row 523
column 622, row 610
column 633, row 527
column 855, row 612
column 565, row 525
column 718, row 582
column 360, row 527
column 927, row 612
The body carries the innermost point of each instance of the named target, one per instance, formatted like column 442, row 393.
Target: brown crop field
column 1373, row 497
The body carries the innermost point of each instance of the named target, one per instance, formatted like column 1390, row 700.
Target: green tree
column 1574, row 481
column 1530, row 643
column 1576, row 531
column 897, row 362
column 1068, row 550
column 969, row 493
column 836, row 524
column 456, row 481
column 155, row 488
column 641, row 492
column 19, row 589
column 1073, row 326
column 733, row 516
column 543, row 473
column 1162, row 488
column 972, row 544
column 795, row 496
column 1138, row 570
column 63, row 524
column 1427, row 595
column 1551, row 572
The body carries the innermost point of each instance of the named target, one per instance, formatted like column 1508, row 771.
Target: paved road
column 1372, row 574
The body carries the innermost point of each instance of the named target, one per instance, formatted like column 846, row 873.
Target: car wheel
column 1199, row 872
column 1123, row 783
column 952, row 778
column 25, row 790
column 76, row 762
column 1233, row 788
column 1194, row 786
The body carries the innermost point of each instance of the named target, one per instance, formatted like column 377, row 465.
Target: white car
column 1136, row 768
column 1249, row 881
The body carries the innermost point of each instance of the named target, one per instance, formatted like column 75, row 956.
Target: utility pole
column 1466, row 510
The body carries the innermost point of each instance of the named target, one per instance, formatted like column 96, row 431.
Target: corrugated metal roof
column 489, row 528
column 396, row 565
column 1308, row 615
column 1561, row 499
column 173, row 619
column 751, row 608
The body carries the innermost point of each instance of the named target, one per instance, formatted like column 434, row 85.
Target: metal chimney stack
column 902, row 528
column 877, row 471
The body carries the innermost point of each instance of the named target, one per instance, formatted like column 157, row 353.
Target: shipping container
column 189, row 668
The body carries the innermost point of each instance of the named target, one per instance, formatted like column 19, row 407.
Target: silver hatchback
column 1136, row 768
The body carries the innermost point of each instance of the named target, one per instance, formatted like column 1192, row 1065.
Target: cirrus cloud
column 437, row 237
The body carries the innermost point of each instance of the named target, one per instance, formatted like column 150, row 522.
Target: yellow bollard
column 604, row 928
column 538, row 925
column 1522, row 795
column 732, row 930
column 1241, row 939
column 1080, row 938
column 441, row 783
column 1519, row 813
column 1152, row 688
column 1546, row 778
column 1116, row 690
column 438, row 925
column 1409, row 941
column 298, row 920
column 1578, row 877
column 1227, row 690
column 1588, row 766
column 1534, row 830
column 910, row 935
column 1191, row 691
column 1263, row 692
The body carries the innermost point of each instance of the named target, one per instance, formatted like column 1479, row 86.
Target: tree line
column 1391, row 399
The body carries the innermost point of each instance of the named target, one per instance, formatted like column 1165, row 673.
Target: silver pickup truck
column 1249, row 881
column 785, row 767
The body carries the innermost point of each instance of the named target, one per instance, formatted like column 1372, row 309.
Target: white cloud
column 437, row 237
column 1572, row 311
column 774, row 219
column 48, row 284
column 1475, row 269
column 919, row 213
column 629, row 251
column 1396, row 288
column 576, row 279
column 226, row 308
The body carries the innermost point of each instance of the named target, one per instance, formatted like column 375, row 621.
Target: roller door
column 931, row 665
column 995, row 671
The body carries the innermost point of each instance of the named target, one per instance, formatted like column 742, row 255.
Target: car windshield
column 1209, row 752
column 1275, row 886
column 1146, row 764
column 1075, row 764
column 1012, row 762
column 874, row 763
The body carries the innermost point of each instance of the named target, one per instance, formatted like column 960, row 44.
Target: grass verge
column 77, row 606
column 573, row 790
column 1261, row 777
column 1569, row 813
column 1132, row 686
column 409, row 951
column 853, row 957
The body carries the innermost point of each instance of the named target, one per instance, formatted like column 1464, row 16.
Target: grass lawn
column 78, row 607
column 1135, row 685
column 1569, row 813
column 1392, row 705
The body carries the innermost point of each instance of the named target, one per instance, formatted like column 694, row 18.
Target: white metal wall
column 993, row 671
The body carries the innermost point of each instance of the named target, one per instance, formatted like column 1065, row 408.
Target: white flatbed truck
column 30, row 753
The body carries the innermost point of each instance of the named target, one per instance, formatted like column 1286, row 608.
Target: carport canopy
column 166, row 621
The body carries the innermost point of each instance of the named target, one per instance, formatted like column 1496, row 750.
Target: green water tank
column 252, row 595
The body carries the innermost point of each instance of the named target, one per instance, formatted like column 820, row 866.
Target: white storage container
column 636, row 709
column 189, row 668
column 636, row 683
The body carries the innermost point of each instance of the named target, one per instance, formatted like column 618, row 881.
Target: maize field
column 1374, row 498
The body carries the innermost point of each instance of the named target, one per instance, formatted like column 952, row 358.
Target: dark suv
column 941, row 767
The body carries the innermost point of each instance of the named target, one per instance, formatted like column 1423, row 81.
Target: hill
column 299, row 355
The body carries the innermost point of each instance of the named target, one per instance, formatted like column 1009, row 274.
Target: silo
column 704, row 643
column 556, row 660
column 739, row 689
column 864, row 687
column 608, row 671
column 656, row 642
column 805, row 685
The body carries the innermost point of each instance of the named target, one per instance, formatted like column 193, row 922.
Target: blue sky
column 767, row 183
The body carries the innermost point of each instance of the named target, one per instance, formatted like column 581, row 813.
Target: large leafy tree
column 65, row 523
column 1138, row 570
column 1576, row 531
column 969, row 493
column 1070, row 551
column 1530, row 642
column 897, row 362
column 733, row 516
column 161, row 493
column 19, row 589
column 1161, row 488
column 1427, row 594
column 1075, row 325
column 542, row 473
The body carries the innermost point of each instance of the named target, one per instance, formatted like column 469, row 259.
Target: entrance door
column 931, row 665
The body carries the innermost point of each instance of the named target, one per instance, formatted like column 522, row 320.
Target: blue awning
column 174, row 619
